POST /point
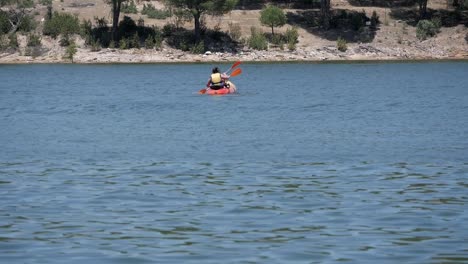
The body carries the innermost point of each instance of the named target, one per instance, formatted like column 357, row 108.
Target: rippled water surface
column 309, row 163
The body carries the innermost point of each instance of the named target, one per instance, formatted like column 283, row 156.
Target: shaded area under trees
column 348, row 25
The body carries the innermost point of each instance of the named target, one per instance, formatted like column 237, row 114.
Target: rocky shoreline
column 53, row 53
column 361, row 52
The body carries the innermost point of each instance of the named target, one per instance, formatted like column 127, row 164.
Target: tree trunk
column 116, row 4
column 196, row 17
column 325, row 13
column 422, row 8
column 272, row 32
column 15, row 17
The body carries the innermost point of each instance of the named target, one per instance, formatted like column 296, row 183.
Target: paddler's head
column 215, row 70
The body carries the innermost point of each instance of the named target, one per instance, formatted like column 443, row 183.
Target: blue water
column 308, row 163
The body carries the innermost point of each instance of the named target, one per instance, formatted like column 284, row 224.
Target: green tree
column 61, row 24
column 16, row 12
column 272, row 16
column 199, row 7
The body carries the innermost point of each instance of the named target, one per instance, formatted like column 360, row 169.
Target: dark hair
column 215, row 70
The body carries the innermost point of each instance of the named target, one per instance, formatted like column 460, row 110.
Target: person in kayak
column 217, row 80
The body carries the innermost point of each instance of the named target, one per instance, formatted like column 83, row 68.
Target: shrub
column 291, row 46
column 86, row 31
column 437, row 22
column 198, row 48
column 180, row 16
column 13, row 41
column 127, row 27
column 341, row 45
column 154, row 40
column 129, row 8
column 28, row 24
column 26, row 4
column 95, row 45
column 257, row 40
column 168, row 29
column 34, row 40
column 141, row 22
column 33, row 51
column 101, row 33
column 235, row 31
column 426, row 29
column 152, row 12
column 123, row 44
column 61, row 24
column 135, row 41
column 291, row 35
column 149, row 42
column 70, row 51
column 358, row 20
column 3, row 43
column 5, row 25
column 158, row 39
column 46, row 2
column 277, row 40
column 65, row 41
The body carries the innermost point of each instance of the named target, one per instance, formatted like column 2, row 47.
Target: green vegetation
column 61, row 24
column 34, row 40
column 151, row 11
column 272, row 16
column 129, row 8
column 235, row 31
column 70, row 51
column 341, row 45
column 28, row 24
column 292, row 37
column 198, row 48
column 18, row 19
column 427, row 28
column 5, row 25
column 25, row 4
column 45, row 2
column 13, row 41
column 257, row 40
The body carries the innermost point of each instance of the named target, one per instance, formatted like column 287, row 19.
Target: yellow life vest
column 216, row 79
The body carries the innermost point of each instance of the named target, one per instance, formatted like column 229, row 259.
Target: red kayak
column 231, row 88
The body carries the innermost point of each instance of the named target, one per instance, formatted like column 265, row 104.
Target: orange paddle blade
column 237, row 63
column 236, row 72
column 202, row 91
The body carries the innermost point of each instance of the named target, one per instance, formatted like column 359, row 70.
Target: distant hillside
column 388, row 26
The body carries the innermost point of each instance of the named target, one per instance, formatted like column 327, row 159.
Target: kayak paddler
column 217, row 80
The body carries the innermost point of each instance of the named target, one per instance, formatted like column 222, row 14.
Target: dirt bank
column 393, row 40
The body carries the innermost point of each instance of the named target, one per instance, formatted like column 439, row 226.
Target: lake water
column 308, row 163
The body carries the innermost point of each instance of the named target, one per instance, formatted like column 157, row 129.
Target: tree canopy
column 199, row 7
column 272, row 16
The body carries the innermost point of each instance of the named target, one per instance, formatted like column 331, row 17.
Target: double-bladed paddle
column 236, row 72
